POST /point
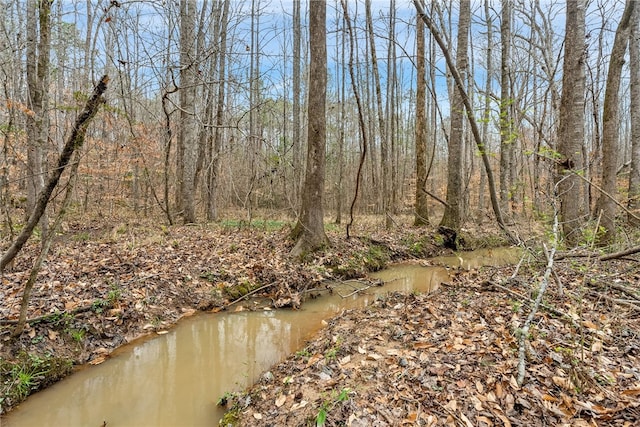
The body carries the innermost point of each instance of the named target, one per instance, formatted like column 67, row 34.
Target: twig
column 620, row 254
column 547, row 307
column 357, row 291
column 74, row 142
column 543, row 287
column 53, row 316
column 248, row 294
column 628, row 303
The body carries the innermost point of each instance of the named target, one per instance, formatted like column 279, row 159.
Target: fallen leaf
column 562, row 382
column 466, row 420
column 280, row 400
column 299, row 405
column 345, row 360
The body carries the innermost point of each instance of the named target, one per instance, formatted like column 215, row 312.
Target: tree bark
column 214, row 167
column 188, row 141
column 574, row 206
column 474, row 125
column 611, row 129
column 506, row 120
column 634, row 175
column 454, row 212
column 38, row 54
column 309, row 230
column 421, row 211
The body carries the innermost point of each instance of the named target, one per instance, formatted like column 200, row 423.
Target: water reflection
column 176, row 378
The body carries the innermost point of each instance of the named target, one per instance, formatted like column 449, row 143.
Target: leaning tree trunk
column 475, row 130
column 75, row 141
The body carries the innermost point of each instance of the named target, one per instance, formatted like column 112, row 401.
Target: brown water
column 175, row 379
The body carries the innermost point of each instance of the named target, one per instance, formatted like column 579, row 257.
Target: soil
column 447, row 358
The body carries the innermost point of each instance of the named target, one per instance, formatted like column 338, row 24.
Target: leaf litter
column 450, row 358
column 445, row 358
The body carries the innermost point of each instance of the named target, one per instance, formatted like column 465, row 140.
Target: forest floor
column 448, row 357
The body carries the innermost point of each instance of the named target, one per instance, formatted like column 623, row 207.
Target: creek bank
column 101, row 289
column 450, row 358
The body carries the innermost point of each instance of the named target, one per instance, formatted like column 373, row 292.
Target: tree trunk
column 574, row 205
column 214, row 167
column 75, row 141
column 634, row 175
column 454, row 210
column 38, row 54
column 309, row 231
column 459, row 82
column 421, row 212
column 605, row 206
column 188, row 126
column 507, row 139
column 297, row 136
column 487, row 102
column 382, row 128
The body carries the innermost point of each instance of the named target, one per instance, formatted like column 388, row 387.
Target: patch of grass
column 78, row 335
column 82, row 237
column 241, row 289
column 259, row 224
column 27, row 373
column 373, row 258
column 231, row 401
column 99, row 305
column 329, row 404
column 303, row 353
column 114, row 295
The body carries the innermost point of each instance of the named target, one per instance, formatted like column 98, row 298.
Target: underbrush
column 27, row 373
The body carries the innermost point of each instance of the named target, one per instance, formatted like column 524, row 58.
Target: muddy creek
column 176, row 378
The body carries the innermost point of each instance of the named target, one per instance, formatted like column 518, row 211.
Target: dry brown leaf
column 563, row 382
column 484, row 420
column 632, row 392
column 466, row 420
column 280, row 400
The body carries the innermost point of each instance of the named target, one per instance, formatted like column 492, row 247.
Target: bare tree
column 571, row 189
column 421, row 211
column 460, row 85
column 38, row 54
column 606, row 205
column 382, row 127
column 507, row 139
column 634, row 65
column 454, row 210
column 187, row 139
column 309, row 230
